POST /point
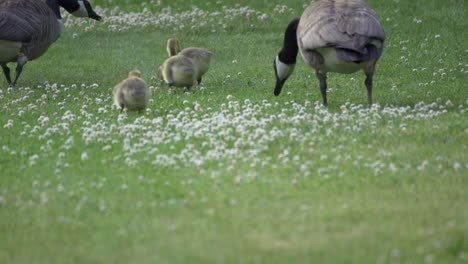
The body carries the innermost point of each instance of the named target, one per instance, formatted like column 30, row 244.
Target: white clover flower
column 84, row 156
column 102, row 205
column 43, row 198
column 9, row 124
column 33, row 160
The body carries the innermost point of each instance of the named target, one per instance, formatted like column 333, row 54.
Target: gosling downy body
column 132, row 93
column 342, row 36
column 179, row 71
column 200, row 57
column 29, row 27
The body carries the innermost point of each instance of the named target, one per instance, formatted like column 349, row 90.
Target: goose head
column 286, row 59
column 79, row 8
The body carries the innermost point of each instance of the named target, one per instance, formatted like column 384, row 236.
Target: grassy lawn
column 229, row 173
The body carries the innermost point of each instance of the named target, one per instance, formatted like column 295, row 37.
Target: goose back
column 350, row 26
column 30, row 22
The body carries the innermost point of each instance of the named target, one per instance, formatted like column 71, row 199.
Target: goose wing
column 341, row 24
column 24, row 21
column 14, row 28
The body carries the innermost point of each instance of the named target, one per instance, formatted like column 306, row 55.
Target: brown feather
column 344, row 24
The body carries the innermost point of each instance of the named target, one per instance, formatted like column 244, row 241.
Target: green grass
column 229, row 173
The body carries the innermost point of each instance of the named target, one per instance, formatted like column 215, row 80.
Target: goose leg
column 322, row 77
column 6, row 72
column 199, row 81
column 368, row 83
column 22, row 60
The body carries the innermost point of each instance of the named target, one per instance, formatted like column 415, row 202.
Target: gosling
column 342, row 36
column 200, row 57
column 132, row 93
column 179, row 71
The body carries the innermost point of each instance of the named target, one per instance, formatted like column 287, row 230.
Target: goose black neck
column 69, row 5
column 54, row 5
column 290, row 49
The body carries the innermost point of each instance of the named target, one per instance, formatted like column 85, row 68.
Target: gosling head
column 132, row 93
column 173, row 47
column 134, row 73
column 79, row 8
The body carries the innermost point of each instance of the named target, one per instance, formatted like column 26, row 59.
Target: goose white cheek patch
column 283, row 70
column 82, row 11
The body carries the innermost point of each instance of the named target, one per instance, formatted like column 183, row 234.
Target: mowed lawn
column 229, row 173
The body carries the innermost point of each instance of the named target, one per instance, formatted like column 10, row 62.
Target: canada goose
column 341, row 36
column 179, row 71
column 200, row 57
column 132, row 93
column 29, row 27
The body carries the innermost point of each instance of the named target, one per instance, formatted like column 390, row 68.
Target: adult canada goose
column 341, row 36
column 29, row 27
column 179, row 71
column 132, row 93
column 201, row 57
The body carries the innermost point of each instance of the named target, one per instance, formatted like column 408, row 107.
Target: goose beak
column 279, row 82
column 95, row 16
column 278, row 87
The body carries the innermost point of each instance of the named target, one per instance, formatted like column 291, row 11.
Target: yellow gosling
column 132, row 93
column 179, row 71
column 201, row 57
